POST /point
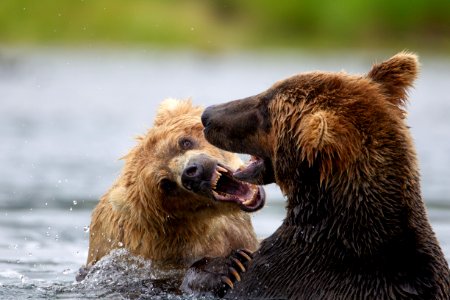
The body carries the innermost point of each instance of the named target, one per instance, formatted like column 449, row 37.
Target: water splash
column 123, row 275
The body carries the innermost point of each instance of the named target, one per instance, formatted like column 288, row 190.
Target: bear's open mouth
column 225, row 187
column 250, row 171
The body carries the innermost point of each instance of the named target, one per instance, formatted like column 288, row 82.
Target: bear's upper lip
column 225, row 187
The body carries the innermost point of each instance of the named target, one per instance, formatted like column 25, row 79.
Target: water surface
column 66, row 117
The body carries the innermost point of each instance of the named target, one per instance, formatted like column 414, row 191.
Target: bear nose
column 192, row 176
column 193, row 171
column 197, row 173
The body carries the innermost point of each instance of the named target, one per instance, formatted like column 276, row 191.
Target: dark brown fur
column 338, row 147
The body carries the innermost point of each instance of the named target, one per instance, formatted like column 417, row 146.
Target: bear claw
column 234, row 273
column 227, row 281
column 217, row 275
column 238, row 259
column 245, row 254
column 238, row 264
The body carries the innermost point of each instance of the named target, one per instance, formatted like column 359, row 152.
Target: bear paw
column 238, row 264
column 216, row 275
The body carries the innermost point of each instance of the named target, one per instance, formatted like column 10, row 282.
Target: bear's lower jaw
column 255, row 202
column 257, row 171
column 226, row 188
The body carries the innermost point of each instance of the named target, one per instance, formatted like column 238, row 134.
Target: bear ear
column 325, row 138
column 171, row 107
column 396, row 75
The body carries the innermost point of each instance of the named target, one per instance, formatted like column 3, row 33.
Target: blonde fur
column 170, row 230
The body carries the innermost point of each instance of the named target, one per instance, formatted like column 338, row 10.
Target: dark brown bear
column 340, row 150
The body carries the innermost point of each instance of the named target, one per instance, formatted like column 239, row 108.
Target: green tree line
column 223, row 24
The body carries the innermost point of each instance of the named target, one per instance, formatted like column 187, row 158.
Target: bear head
column 174, row 173
column 320, row 126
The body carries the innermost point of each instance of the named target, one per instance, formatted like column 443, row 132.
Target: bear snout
column 206, row 115
column 193, row 171
column 198, row 170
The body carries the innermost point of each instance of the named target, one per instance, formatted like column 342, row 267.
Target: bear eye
column 186, row 143
column 167, row 185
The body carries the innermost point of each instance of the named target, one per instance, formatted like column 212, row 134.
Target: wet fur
column 173, row 230
column 356, row 226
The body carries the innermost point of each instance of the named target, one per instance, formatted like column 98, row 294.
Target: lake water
column 67, row 116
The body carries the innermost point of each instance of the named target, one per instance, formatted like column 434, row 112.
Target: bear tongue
column 227, row 186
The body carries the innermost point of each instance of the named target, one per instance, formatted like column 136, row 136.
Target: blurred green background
column 218, row 25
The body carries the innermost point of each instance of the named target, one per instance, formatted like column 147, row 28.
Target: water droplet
column 120, row 244
column 56, row 237
column 46, row 203
column 30, row 254
column 49, row 227
column 47, row 233
column 16, row 246
column 86, row 228
column 70, row 209
column 59, row 180
column 74, row 202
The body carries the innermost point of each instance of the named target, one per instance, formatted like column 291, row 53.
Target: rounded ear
column 396, row 75
column 171, row 108
column 326, row 139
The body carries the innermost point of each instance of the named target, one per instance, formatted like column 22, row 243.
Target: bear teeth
column 221, row 169
column 216, row 179
column 251, row 200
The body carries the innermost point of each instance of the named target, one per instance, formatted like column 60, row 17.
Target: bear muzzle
column 207, row 177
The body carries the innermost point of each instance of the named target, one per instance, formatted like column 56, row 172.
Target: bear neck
column 353, row 211
column 184, row 240
column 310, row 200
column 167, row 242
column 307, row 199
column 178, row 228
